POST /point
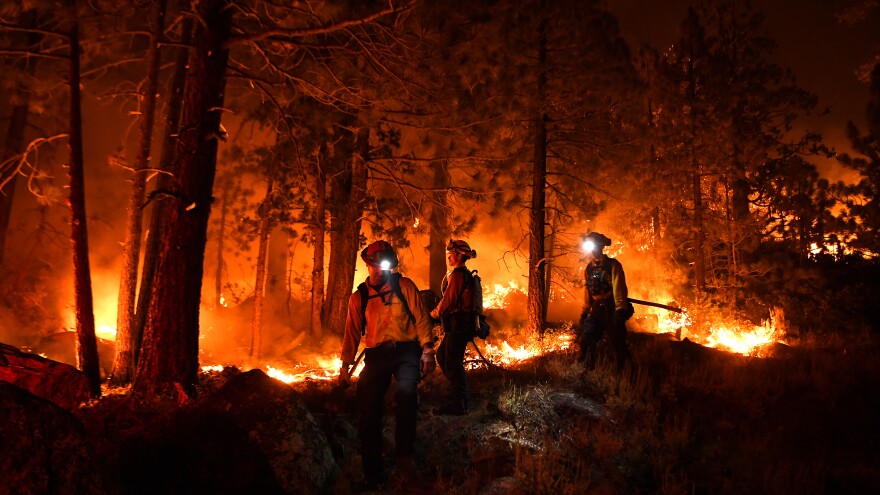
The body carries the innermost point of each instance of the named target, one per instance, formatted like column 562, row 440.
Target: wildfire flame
column 506, row 354
column 738, row 337
column 496, row 297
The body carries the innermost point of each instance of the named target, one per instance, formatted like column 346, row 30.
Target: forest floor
column 680, row 419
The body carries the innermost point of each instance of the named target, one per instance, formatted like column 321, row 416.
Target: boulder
column 60, row 383
column 45, row 450
column 277, row 421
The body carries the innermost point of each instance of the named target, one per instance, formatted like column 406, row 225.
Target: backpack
column 394, row 283
column 482, row 327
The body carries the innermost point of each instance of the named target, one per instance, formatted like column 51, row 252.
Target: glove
column 428, row 363
column 624, row 314
column 344, row 375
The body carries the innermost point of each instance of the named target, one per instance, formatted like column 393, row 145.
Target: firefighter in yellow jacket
column 606, row 307
column 387, row 312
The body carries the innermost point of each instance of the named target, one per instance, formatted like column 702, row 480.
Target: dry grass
column 685, row 420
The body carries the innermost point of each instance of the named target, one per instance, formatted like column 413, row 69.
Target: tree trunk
column 345, row 229
column 15, row 134
column 548, row 270
column 439, row 228
column 221, row 239
column 123, row 364
column 86, row 343
column 160, row 208
column 318, row 232
column 260, row 283
column 170, row 354
column 698, row 230
column 537, row 213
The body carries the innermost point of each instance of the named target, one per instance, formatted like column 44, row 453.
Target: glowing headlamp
column 385, row 265
column 588, row 246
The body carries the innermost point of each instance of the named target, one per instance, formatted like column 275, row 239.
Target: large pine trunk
column 537, row 212
column 164, row 182
column 14, row 142
column 698, row 230
column 345, row 229
column 169, row 356
column 86, row 343
column 260, row 282
column 439, row 228
column 318, row 232
column 221, row 245
column 123, row 364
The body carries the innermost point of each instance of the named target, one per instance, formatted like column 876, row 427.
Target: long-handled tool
column 656, row 305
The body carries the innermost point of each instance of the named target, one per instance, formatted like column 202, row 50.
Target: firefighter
column 457, row 312
column 606, row 308
column 398, row 342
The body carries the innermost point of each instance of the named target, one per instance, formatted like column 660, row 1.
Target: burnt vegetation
column 188, row 184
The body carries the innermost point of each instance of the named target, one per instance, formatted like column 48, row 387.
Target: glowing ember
column 215, row 368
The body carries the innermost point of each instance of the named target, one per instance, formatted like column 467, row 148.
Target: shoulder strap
column 365, row 296
column 394, row 282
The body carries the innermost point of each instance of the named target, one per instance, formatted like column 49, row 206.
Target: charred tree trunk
column 548, row 270
column 160, row 207
column 13, row 146
column 537, row 212
column 698, row 229
column 345, row 229
column 171, row 338
column 439, row 228
column 318, row 232
column 221, row 239
column 86, row 343
column 260, row 282
column 123, row 364
column 15, row 134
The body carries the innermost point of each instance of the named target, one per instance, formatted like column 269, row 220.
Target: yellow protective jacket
column 614, row 277
column 387, row 320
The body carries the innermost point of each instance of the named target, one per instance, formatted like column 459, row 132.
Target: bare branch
column 279, row 34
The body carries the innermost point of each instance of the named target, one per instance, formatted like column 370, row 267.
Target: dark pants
column 603, row 319
column 458, row 330
column 381, row 363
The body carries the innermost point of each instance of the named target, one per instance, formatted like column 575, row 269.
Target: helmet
column 595, row 240
column 461, row 247
column 381, row 254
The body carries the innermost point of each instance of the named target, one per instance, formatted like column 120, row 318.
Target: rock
column 571, row 404
column 277, row 421
column 45, row 449
column 507, row 485
column 60, row 383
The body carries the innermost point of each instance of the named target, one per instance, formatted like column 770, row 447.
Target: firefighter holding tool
column 606, row 308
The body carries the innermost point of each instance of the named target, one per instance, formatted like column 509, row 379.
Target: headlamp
column 385, row 265
column 588, row 246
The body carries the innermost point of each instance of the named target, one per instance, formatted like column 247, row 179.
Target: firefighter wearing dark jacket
column 398, row 343
column 606, row 307
column 456, row 311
